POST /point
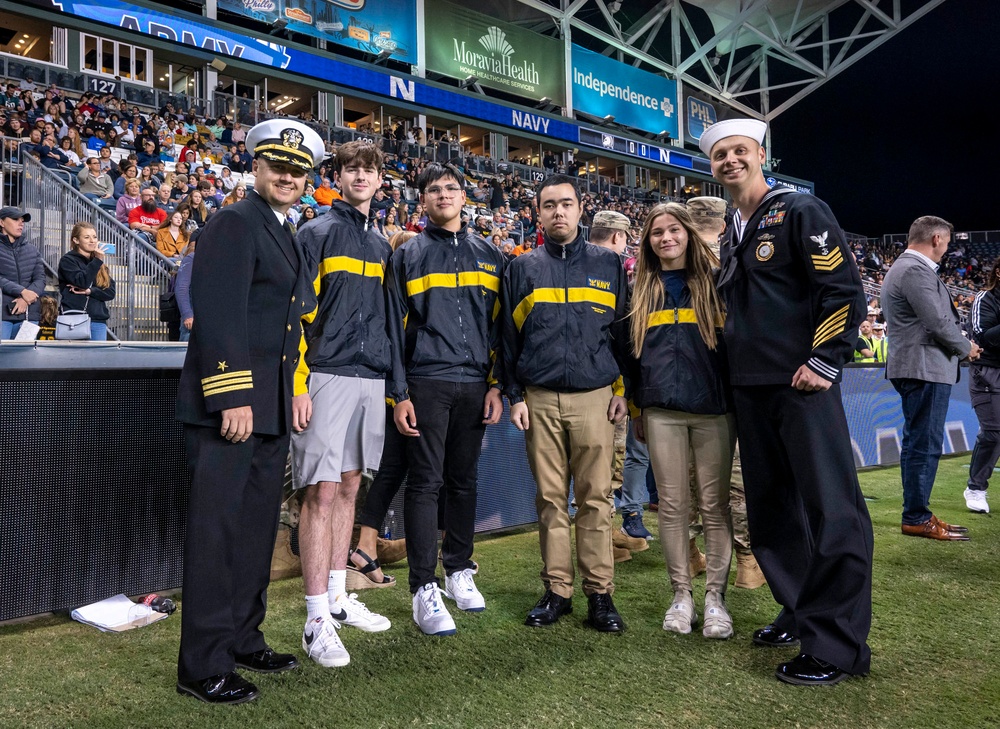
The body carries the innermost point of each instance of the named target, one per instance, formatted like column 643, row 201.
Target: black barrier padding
column 93, row 488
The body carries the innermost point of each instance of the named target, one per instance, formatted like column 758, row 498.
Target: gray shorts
column 346, row 431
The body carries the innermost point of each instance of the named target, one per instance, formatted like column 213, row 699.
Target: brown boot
column 390, row 550
column 621, row 554
column 698, row 563
column 748, row 574
column 624, row 541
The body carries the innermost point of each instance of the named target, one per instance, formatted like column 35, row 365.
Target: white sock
column 317, row 606
column 337, row 584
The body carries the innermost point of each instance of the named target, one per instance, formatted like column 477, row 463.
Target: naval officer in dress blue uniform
column 249, row 290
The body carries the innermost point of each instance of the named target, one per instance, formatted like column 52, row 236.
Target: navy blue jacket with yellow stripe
column 792, row 290
column 345, row 334
column 559, row 304
column 676, row 370
column 444, row 306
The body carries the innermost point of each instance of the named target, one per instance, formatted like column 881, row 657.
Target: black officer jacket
column 559, row 305
column 249, row 291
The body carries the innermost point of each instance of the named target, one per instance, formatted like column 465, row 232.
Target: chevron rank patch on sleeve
column 825, row 260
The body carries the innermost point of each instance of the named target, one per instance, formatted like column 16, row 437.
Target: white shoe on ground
column 430, row 613
column 976, row 501
column 321, row 642
column 348, row 610
column 461, row 588
column 718, row 623
column 681, row 615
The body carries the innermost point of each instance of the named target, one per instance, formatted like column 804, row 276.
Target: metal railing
column 140, row 271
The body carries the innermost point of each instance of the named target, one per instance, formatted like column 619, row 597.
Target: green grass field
column 935, row 641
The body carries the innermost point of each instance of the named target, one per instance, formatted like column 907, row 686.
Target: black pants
column 391, row 474
column 984, row 391
column 232, row 524
column 812, row 535
column 444, row 460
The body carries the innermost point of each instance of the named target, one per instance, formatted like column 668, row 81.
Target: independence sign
column 460, row 43
column 635, row 98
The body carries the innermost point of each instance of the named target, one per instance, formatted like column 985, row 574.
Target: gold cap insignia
column 291, row 138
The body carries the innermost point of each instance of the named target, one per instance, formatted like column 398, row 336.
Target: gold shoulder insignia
column 222, row 366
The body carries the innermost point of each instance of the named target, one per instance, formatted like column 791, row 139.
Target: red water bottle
column 159, row 603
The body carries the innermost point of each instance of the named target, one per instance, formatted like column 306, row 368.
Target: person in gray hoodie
column 22, row 275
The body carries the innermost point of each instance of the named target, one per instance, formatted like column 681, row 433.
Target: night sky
column 900, row 134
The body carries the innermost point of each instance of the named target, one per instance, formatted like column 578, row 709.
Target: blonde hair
column 398, row 239
column 647, row 294
column 103, row 277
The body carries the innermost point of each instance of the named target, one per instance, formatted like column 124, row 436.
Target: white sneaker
column 681, row 615
column 718, row 622
column 429, row 612
column 461, row 588
column 976, row 501
column 348, row 610
column 321, row 643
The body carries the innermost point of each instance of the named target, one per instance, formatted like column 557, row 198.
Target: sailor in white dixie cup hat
column 794, row 301
column 752, row 128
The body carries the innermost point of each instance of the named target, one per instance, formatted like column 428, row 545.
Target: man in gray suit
column 927, row 344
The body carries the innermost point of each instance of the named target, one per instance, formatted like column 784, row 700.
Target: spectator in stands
column 880, row 346
column 380, row 202
column 184, row 209
column 239, row 134
column 107, row 164
column 146, row 178
column 526, row 245
column 238, row 193
column 325, row 195
column 22, row 273
column 182, row 290
column 244, row 157
column 308, row 213
column 163, row 200
column 129, row 172
column 181, row 189
column 148, row 154
column 413, row 224
column 85, row 283
column 307, row 196
column 147, row 217
column 72, row 158
column 95, row 183
column 49, row 153
column 199, row 211
column 389, row 224
column 98, row 140
column 172, row 237
column 207, row 190
column 129, row 200
column 227, row 180
column 190, row 152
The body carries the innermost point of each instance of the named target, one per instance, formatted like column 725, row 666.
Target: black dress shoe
column 226, row 688
column 806, row 670
column 266, row 661
column 602, row 615
column 772, row 636
column 548, row 610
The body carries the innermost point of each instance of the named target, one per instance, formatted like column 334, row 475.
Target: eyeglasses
column 449, row 190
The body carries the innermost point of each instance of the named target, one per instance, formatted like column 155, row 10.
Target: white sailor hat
column 284, row 140
column 753, row 128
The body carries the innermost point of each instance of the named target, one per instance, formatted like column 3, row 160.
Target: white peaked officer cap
column 284, row 140
column 753, row 128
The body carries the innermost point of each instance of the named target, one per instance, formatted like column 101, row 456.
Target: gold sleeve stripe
column 451, row 281
column 496, row 309
column 828, row 262
column 618, row 387
column 347, row 264
column 220, row 390
column 833, row 326
column 300, row 376
column 671, row 316
column 561, row 296
column 219, row 379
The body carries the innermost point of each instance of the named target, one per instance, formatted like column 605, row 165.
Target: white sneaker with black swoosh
column 321, row 643
column 348, row 610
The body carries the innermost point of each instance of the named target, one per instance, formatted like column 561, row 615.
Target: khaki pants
column 570, row 437
column 672, row 438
